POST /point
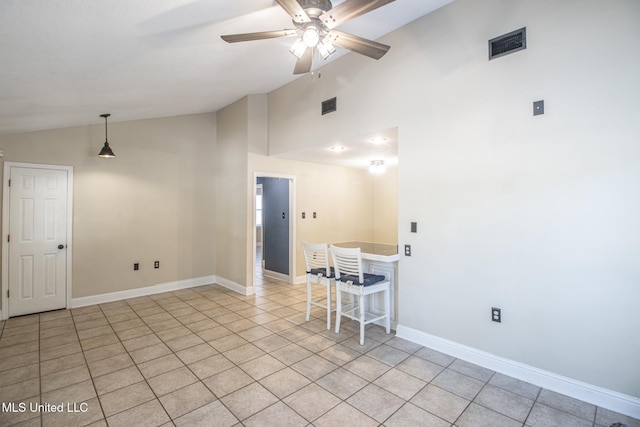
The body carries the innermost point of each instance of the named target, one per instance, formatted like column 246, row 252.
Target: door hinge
column 9, row 183
column 7, row 293
column 8, row 238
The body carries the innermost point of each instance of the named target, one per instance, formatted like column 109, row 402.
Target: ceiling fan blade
column 303, row 65
column 348, row 10
column 293, row 8
column 357, row 44
column 234, row 38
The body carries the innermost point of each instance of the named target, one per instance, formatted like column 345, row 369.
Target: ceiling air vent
column 508, row 43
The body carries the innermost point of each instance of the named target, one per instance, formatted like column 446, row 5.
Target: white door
column 37, row 240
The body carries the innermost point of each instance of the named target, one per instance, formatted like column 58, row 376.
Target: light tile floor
column 208, row 356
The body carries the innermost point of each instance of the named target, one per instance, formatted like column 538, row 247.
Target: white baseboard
column 1, row 318
column 139, row 292
column 609, row 399
column 300, row 279
column 236, row 287
column 278, row 276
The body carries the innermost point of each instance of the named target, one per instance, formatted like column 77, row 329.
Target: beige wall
column 536, row 215
column 153, row 201
column 232, row 209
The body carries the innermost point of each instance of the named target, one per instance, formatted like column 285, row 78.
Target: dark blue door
column 275, row 223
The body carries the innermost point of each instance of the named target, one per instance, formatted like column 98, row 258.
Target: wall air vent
column 508, row 43
column 329, row 106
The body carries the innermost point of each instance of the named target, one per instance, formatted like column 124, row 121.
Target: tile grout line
column 190, row 370
column 134, row 364
column 174, row 353
column 86, row 362
column 145, row 379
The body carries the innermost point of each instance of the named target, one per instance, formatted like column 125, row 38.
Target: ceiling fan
column 315, row 22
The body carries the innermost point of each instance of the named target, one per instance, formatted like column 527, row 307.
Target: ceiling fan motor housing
column 314, row 31
column 315, row 8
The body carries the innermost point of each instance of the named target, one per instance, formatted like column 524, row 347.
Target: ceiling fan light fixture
column 315, row 22
column 377, row 167
column 326, row 49
column 311, row 36
column 298, row 49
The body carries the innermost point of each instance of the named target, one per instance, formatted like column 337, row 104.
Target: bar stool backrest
column 316, row 258
column 347, row 262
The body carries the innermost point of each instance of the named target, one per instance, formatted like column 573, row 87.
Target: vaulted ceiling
column 64, row 62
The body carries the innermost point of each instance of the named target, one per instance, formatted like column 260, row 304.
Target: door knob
column 60, row 246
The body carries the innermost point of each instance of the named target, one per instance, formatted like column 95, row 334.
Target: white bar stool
column 351, row 279
column 316, row 258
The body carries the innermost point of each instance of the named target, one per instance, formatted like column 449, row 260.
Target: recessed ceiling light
column 379, row 140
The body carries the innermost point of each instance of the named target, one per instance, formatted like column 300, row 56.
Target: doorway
column 274, row 237
column 36, row 252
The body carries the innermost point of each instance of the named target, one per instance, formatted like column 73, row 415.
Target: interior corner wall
column 232, row 256
column 153, row 202
column 536, row 215
column 258, row 126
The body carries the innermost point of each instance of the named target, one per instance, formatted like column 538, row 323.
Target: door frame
column 5, row 228
column 292, row 226
column 258, row 186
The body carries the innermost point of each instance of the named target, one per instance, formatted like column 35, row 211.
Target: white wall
column 385, row 206
column 536, row 215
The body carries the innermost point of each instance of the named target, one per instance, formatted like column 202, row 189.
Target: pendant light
column 106, row 151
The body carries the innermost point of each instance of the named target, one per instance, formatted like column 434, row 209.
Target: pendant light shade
column 106, row 151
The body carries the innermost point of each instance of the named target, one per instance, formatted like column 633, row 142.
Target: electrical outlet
column 156, row 264
column 538, row 107
column 407, row 250
column 136, row 266
column 304, row 215
column 315, row 216
column 496, row 314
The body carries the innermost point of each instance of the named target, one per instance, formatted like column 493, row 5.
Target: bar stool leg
column 361, row 312
column 328, row 305
column 338, row 307
column 387, row 309
column 308, row 299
